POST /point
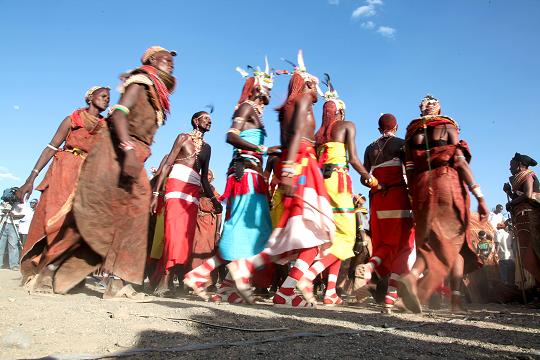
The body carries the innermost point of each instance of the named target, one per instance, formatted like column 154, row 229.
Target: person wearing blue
column 9, row 235
column 247, row 225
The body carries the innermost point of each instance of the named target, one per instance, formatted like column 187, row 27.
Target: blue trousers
column 507, row 269
column 10, row 240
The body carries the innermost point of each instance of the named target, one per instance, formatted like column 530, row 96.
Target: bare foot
column 409, row 292
column 44, row 283
column 117, row 291
column 457, row 306
column 165, row 288
column 113, row 287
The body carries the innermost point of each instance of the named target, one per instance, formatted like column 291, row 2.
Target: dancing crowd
column 100, row 214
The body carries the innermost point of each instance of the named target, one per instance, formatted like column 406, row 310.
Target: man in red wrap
column 391, row 223
column 186, row 171
column 437, row 166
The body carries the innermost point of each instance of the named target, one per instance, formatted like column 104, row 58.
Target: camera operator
column 12, row 212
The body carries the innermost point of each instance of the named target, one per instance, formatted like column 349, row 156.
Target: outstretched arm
column 162, row 165
column 465, row 173
column 165, row 169
column 58, row 139
column 207, row 188
column 367, row 161
column 350, row 142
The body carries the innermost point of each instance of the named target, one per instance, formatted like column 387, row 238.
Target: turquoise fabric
column 248, row 226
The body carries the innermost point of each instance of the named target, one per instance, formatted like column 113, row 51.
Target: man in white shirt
column 503, row 245
column 9, row 235
column 24, row 223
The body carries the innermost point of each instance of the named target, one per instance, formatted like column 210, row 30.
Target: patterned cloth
column 306, row 220
column 182, row 193
column 391, row 222
column 247, row 221
column 441, row 208
column 339, row 186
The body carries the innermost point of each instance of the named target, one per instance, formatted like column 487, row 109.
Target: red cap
column 387, row 122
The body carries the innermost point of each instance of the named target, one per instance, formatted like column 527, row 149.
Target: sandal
column 128, row 293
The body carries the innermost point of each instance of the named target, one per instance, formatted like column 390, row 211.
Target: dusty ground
column 82, row 326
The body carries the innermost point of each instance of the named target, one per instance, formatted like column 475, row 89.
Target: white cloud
column 368, row 25
column 333, row 2
column 16, row 107
column 370, row 9
column 386, row 31
column 5, row 174
column 364, row 10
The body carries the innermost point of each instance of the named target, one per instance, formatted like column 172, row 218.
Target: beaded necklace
column 197, row 138
column 258, row 110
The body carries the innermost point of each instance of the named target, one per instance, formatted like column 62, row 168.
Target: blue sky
column 480, row 58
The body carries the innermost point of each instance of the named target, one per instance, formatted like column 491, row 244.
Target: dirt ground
column 82, row 326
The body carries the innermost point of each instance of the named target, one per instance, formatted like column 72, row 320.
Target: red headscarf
column 329, row 118
column 296, row 87
column 247, row 90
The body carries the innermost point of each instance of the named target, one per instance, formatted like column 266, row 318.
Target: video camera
column 10, row 196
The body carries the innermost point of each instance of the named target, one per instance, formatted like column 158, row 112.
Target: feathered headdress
column 301, row 70
column 331, row 94
column 428, row 98
column 262, row 78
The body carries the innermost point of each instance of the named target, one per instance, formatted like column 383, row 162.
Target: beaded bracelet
column 119, row 107
column 477, row 192
column 261, row 149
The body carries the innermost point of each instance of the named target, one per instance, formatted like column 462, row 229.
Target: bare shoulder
column 133, row 88
column 347, row 124
column 243, row 110
column 182, row 137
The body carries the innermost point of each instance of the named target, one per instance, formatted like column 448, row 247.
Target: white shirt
column 15, row 210
column 501, row 237
column 24, row 223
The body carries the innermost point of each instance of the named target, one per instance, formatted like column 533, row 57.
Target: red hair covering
column 247, row 90
column 328, row 120
column 296, row 88
column 387, row 122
